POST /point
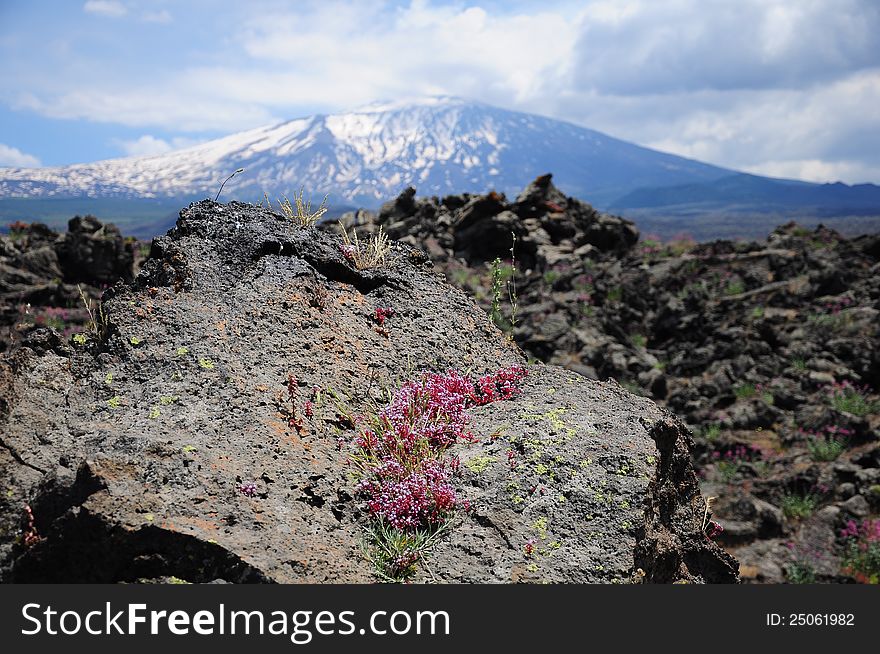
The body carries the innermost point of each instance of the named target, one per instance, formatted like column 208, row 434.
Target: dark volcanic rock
column 94, row 253
column 41, row 273
column 131, row 450
column 769, row 350
column 547, row 225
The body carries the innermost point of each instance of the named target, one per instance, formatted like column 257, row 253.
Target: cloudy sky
column 779, row 87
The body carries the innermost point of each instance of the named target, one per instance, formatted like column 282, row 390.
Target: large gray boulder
column 133, row 450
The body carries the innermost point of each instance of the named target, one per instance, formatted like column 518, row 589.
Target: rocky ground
column 42, row 273
column 202, row 425
column 768, row 350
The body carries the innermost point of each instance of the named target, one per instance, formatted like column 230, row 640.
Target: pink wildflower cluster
column 64, row 321
column 49, row 315
column 713, row 530
column 739, row 453
column 861, row 558
column 430, row 413
column 829, row 432
column 30, row 537
column 867, row 531
column 583, row 285
column 348, row 251
column 650, row 244
column 846, row 387
column 407, row 478
column 411, row 499
column 248, row 489
column 808, row 552
column 500, row 385
column 838, row 305
column 289, row 404
column 847, row 397
column 382, row 314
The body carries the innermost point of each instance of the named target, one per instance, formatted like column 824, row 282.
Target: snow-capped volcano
column 440, row 145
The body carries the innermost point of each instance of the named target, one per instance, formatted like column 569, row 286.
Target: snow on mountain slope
column 440, row 145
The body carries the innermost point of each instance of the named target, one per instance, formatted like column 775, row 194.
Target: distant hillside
column 743, row 189
column 746, row 206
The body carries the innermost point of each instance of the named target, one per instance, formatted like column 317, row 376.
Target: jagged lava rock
column 94, row 252
column 42, row 270
column 548, row 225
column 131, row 450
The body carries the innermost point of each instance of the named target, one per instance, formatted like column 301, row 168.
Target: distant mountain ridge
column 441, row 145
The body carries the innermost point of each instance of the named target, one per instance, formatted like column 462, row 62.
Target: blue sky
column 778, row 87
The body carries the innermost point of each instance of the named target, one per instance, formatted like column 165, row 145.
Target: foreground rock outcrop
column 163, row 445
column 770, row 351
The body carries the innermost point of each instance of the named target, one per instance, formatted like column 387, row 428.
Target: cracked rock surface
column 132, row 449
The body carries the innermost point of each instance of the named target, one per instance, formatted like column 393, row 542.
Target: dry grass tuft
column 365, row 254
column 97, row 322
column 300, row 210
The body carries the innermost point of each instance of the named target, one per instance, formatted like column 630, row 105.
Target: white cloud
column 148, row 145
column 15, row 158
column 775, row 85
column 350, row 54
column 169, row 104
column 815, row 170
column 824, row 133
column 144, row 146
column 110, row 8
column 162, row 16
column 688, row 45
column 420, row 48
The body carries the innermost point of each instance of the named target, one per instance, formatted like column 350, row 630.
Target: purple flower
column 407, row 479
column 248, row 489
column 713, row 529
